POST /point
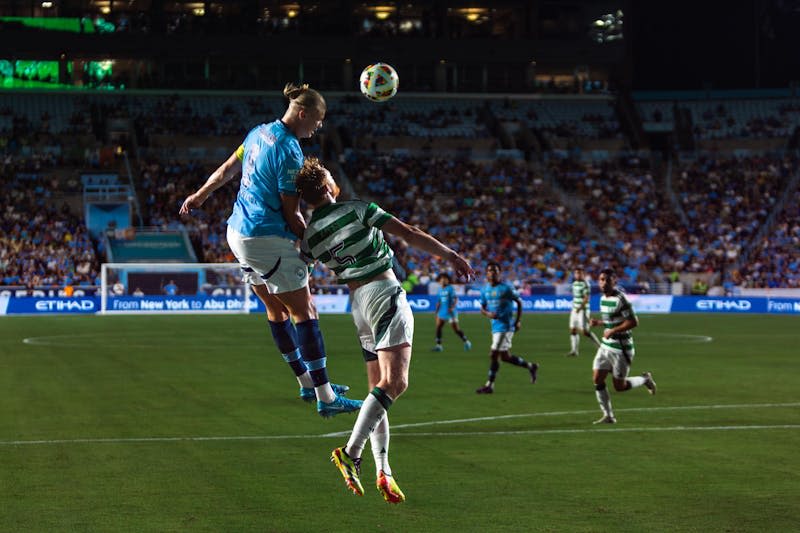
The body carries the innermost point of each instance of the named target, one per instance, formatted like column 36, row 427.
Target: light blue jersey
column 447, row 299
column 500, row 299
column 271, row 159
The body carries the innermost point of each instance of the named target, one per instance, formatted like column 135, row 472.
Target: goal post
column 173, row 288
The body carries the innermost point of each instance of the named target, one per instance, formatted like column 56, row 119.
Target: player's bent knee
column 395, row 387
column 277, row 316
column 400, row 387
column 620, row 386
column 302, row 313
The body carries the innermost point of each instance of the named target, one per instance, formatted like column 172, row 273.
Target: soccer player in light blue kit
column 446, row 312
column 498, row 301
column 262, row 231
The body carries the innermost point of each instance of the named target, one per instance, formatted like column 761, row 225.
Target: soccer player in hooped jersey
column 616, row 351
column 262, row 231
column 579, row 316
column 498, row 300
column 446, row 312
column 348, row 238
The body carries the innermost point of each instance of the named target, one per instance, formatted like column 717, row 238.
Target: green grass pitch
column 192, row 423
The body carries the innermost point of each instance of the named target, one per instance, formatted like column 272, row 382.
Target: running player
column 446, row 312
column 497, row 302
column 616, row 350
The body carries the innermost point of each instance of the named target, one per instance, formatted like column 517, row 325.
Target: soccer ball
column 379, row 82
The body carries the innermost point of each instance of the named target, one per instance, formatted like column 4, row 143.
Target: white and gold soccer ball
column 379, row 82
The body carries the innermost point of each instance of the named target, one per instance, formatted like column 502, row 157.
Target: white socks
column 304, row 380
column 605, row 402
column 369, row 416
column 574, row 340
column 638, row 381
column 325, row 393
column 379, row 440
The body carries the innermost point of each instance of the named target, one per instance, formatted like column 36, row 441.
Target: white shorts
column 501, row 342
column 615, row 361
column 579, row 319
column 382, row 315
column 270, row 261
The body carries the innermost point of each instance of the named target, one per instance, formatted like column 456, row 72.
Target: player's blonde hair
column 304, row 96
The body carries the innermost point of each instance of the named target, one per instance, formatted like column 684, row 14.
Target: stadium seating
column 434, row 164
column 774, row 260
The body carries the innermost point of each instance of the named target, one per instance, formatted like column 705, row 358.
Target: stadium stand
column 452, row 166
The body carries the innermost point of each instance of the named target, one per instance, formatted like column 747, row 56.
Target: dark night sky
column 735, row 44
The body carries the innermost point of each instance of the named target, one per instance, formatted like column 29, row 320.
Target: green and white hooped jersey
column 580, row 289
column 615, row 309
column 346, row 236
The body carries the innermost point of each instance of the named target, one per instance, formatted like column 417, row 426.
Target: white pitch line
column 72, row 339
column 590, row 411
column 595, row 430
column 123, row 440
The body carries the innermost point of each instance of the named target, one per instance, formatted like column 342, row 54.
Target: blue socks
column 285, row 337
column 312, row 348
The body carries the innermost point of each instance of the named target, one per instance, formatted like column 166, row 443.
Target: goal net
column 148, row 288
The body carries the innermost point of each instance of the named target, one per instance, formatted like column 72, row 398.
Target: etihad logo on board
column 724, row 305
column 65, row 305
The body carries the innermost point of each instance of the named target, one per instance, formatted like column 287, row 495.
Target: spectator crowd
column 724, row 220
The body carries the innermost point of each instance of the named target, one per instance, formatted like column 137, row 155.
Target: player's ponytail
column 304, row 96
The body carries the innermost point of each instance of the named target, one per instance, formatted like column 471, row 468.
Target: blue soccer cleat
column 467, row 346
column 309, row 395
column 437, row 348
column 339, row 405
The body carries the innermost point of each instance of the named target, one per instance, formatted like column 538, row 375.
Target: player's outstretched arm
column 217, row 179
column 417, row 238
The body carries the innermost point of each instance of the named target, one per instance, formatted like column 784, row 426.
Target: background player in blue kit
column 446, row 312
column 498, row 300
column 262, row 230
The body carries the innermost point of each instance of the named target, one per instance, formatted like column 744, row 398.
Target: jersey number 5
column 344, row 259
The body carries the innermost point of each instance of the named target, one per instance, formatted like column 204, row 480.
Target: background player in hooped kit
column 579, row 315
column 446, row 312
column 498, row 301
column 616, row 350
column 348, row 238
column 262, row 231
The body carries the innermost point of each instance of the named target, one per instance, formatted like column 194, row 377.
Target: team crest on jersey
column 300, row 272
